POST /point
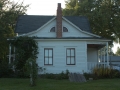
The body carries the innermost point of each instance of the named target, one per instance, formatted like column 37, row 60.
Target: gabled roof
column 80, row 21
column 29, row 23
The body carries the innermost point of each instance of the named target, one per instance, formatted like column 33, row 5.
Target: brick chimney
column 59, row 21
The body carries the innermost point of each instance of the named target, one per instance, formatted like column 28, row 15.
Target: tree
column 104, row 15
column 32, row 70
column 118, row 52
column 9, row 12
column 26, row 54
column 26, row 47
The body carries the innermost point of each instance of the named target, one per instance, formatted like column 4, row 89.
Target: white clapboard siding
column 45, row 30
column 73, row 31
column 59, row 56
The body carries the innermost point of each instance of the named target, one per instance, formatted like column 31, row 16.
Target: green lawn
column 48, row 84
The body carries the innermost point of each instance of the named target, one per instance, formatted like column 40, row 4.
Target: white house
column 65, row 42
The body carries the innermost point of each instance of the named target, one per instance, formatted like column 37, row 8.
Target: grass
column 49, row 84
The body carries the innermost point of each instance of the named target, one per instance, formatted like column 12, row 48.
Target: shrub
column 5, row 70
column 90, row 75
column 26, row 47
column 49, row 75
column 60, row 76
column 115, row 73
column 106, row 72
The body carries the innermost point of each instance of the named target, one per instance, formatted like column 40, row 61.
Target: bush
column 5, row 70
column 102, row 72
column 21, row 74
column 26, row 47
column 49, row 76
column 115, row 73
column 60, row 76
column 90, row 75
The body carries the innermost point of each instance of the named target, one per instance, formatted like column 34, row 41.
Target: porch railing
column 92, row 65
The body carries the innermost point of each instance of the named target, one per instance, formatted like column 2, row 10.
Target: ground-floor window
column 48, row 56
column 70, row 56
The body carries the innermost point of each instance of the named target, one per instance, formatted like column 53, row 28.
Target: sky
column 42, row 7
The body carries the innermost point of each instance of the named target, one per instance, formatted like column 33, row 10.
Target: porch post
column 107, row 55
column 9, row 53
column 100, row 58
column 98, row 52
column 100, row 55
column 104, row 57
column 14, row 59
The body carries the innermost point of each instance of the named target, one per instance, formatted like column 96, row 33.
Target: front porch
column 97, row 55
column 92, row 65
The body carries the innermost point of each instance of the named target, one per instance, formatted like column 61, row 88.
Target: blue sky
column 42, row 7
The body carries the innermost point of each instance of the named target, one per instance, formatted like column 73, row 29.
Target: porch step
column 76, row 77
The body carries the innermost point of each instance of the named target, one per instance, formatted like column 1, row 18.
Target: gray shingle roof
column 80, row 21
column 28, row 23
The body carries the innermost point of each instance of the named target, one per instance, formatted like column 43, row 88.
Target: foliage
column 42, row 70
column 118, row 52
column 101, row 72
column 63, row 75
column 9, row 12
column 32, row 70
column 5, row 70
column 26, row 47
column 60, row 76
column 90, row 75
column 104, row 15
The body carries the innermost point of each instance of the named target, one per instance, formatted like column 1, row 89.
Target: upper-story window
column 52, row 29
column 65, row 29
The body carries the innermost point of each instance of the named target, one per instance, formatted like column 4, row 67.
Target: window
column 48, row 56
column 52, row 29
column 70, row 56
column 65, row 29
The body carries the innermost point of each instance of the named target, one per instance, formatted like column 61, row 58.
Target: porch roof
column 98, row 46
